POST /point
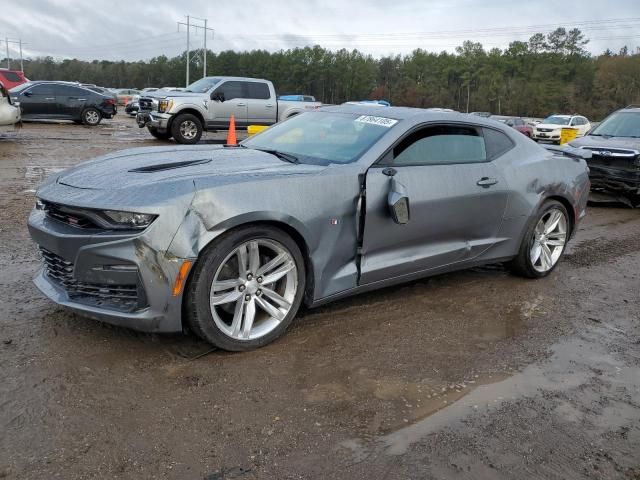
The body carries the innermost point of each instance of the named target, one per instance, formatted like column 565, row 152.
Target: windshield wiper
column 287, row 157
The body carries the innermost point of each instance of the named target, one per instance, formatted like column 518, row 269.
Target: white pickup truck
column 209, row 103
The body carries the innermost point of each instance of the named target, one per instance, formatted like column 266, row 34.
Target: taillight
column 110, row 101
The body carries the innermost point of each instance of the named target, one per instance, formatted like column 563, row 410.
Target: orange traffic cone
column 231, row 136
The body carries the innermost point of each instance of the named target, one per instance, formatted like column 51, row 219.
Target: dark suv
column 63, row 101
column 615, row 165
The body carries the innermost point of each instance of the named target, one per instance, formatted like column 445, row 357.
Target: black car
column 615, row 162
column 63, row 101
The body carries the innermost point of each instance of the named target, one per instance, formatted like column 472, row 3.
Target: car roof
column 406, row 113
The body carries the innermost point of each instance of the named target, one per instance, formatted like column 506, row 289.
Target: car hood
column 148, row 166
column 549, row 125
column 607, row 142
column 159, row 94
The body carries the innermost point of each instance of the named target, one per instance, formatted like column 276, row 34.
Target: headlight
column 129, row 219
column 165, row 105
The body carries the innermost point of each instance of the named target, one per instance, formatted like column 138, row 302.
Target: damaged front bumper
column 621, row 183
column 155, row 120
column 114, row 277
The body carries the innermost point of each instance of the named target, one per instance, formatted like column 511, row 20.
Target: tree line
column 547, row 74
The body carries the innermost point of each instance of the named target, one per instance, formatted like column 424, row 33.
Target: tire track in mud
column 602, row 250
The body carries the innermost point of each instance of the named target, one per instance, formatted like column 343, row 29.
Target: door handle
column 49, row 98
column 486, row 182
column 269, row 105
column 241, row 104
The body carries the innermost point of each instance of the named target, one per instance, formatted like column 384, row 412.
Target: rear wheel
column 159, row 135
column 186, row 128
column 91, row 116
column 246, row 288
column 544, row 242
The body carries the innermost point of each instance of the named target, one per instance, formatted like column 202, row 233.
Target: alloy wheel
column 92, row 117
column 549, row 240
column 253, row 289
column 188, row 130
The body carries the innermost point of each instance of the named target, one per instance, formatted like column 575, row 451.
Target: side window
column 444, row 144
column 43, row 89
column 67, row 91
column 497, row 143
column 519, row 122
column 231, row 90
column 258, row 90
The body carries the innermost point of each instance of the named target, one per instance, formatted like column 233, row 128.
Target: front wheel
column 91, row 117
column 186, row 128
column 246, row 288
column 544, row 242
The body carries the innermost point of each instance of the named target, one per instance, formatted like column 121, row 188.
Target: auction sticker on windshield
column 382, row 121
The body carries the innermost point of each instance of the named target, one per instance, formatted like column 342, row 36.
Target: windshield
column 203, row 85
column 619, row 124
column 556, row 120
column 322, row 137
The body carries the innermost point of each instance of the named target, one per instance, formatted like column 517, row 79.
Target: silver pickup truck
column 209, row 103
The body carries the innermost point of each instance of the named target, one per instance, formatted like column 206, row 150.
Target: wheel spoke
column 279, row 272
column 237, row 318
column 555, row 242
column 536, row 251
column 228, row 297
column 270, row 309
column 553, row 221
column 254, row 257
column 540, row 228
column 243, row 264
column 276, row 298
column 547, row 262
column 275, row 262
column 222, row 285
column 249, row 316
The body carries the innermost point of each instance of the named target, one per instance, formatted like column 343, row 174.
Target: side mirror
column 398, row 199
column 217, row 96
column 27, row 94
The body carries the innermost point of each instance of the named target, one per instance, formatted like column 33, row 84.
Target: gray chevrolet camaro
column 229, row 241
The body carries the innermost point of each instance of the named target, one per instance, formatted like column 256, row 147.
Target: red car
column 11, row 78
column 517, row 123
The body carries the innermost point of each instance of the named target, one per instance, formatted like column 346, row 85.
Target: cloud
column 121, row 29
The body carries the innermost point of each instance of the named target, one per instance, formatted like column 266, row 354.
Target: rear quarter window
column 496, row 143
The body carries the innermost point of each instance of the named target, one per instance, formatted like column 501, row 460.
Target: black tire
column 91, row 116
column 177, row 128
column 521, row 264
column 197, row 310
column 159, row 135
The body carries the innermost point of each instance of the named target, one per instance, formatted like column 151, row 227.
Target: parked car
column 11, row 78
column 63, row 101
column 133, row 107
column 517, row 123
column 229, row 241
column 297, row 98
column 209, row 103
column 9, row 113
column 615, row 164
column 124, row 95
column 551, row 127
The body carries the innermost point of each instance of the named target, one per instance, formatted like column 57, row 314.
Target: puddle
column 567, row 368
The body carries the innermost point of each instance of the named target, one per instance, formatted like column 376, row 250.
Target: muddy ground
column 476, row 374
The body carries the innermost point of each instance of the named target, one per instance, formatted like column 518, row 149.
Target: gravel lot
column 476, row 374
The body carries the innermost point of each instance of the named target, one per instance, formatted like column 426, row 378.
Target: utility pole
column 205, row 29
column 18, row 42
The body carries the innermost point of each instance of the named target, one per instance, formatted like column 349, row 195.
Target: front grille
column 120, row 297
column 614, row 157
column 546, row 130
column 145, row 104
column 69, row 216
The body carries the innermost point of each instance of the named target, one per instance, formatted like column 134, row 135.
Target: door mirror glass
column 27, row 94
column 217, row 96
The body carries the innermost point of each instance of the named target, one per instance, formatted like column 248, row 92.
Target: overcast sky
column 137, row 29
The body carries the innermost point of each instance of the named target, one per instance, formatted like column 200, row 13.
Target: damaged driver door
column 436, row 199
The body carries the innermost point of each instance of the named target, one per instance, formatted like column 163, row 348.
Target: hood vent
column 169, row 166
